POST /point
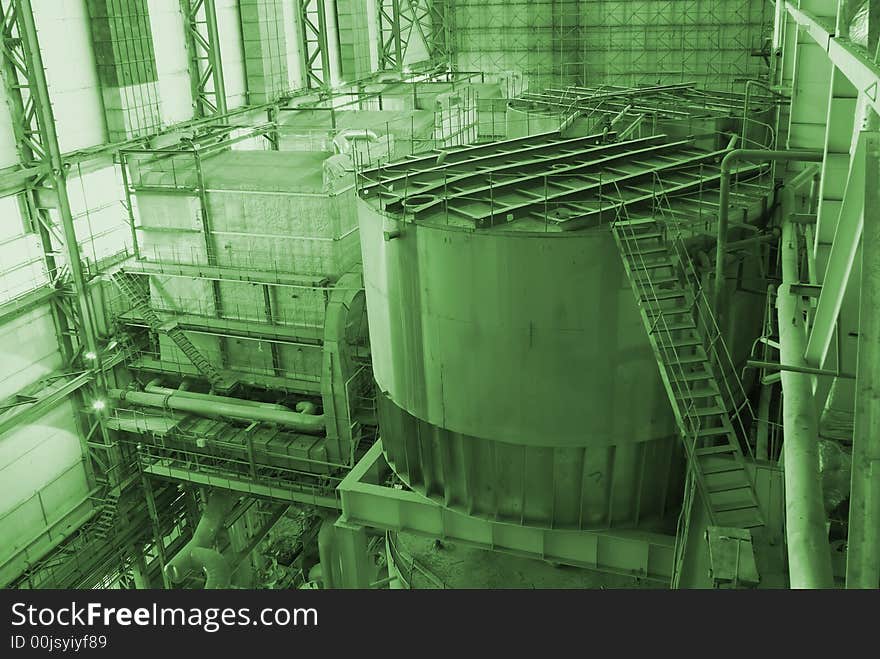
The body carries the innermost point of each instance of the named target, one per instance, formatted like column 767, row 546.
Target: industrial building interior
column 425, row 294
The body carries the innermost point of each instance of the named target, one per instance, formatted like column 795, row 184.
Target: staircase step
column 714, row 410
column 639, row 251
column 675, row 326
column 680, row 342
column 655, row 265
column 693, row 376
column 726, row 502
column 657, row 281
column 636, row 223
column 697, row 358
column 698, row 393
column 747, row 518
column 714, row 450
column 734, row 481
column 678, row 310
column 712, row 465
column 645, row 235
column 665, row 294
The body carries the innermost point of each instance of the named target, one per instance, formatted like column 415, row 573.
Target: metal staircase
column 127, row 285
column 107, row 509
column 675, row 318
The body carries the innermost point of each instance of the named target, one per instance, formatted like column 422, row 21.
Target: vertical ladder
column 666, row 305
column 126, row 283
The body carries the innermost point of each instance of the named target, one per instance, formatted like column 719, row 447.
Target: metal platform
column 368, row 502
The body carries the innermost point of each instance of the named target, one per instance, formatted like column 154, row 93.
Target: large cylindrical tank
column 516, row 379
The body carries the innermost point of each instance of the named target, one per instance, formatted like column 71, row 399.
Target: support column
column 354, row 560
column 139, row 569
column 863, row 553
column 809, row 555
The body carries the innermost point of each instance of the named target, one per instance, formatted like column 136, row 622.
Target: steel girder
column 313, row 42
column 206, row 65
column 24, row 77
column 846, row 57
column 367, row 502
column 863, row 541
column 400, row 20
column 842, row 255
column 569, row 184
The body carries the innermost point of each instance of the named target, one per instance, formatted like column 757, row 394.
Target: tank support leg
column 354, row 559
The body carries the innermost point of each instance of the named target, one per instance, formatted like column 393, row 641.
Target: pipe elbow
column 306, row 407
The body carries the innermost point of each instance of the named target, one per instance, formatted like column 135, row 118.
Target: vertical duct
column 126, row 62
column 199, row 553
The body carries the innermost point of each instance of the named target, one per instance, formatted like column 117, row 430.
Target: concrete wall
column 42, row 478
column 65, row 41
column 172, row 61
column 22, row 267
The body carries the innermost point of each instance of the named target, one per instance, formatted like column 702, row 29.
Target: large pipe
column 165, row 391
column 327, row 554
column 809, row 554
column 739, row 155
column 205, row 405
column 342, row 140
column 199, row 552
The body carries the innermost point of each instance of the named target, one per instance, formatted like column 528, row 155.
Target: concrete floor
column 457, row 566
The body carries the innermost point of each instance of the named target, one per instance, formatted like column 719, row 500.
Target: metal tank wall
column 516, row 379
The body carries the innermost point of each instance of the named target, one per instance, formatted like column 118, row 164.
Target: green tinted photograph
column 438, row 294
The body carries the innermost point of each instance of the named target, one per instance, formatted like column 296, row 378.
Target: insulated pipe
column 342, row 140
column 739, row 155
column 199, row 552
column 327, row 553
column 206, row 406
column 306, row 407
column 809, row 554
column 165, row 391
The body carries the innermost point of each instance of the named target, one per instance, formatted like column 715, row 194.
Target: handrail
column 736, row 397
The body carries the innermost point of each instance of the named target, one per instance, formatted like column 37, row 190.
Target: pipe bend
column 199, row 552
column 799, row 155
